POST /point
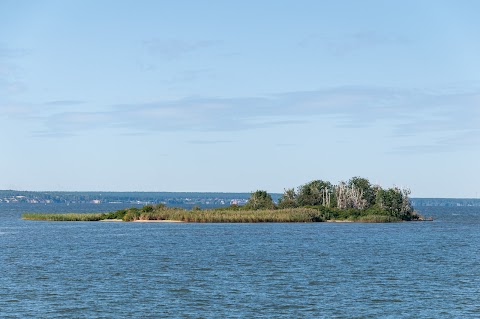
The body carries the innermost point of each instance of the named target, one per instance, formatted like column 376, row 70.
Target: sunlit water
column 321, row 270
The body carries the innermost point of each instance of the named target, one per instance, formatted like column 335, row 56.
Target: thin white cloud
column 52, row 135
column 8, row 52
column 443, row 117
column 18, row 110
column 64, row 102
column 342, row 45
column 468, row 139
column 189, row 76
column 175, row 48
column 208, row 142
column 11, row 81
column 12, row 87
column 73, row 122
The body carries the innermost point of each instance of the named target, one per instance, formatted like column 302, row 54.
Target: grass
column 377, row 219
column 223, row 215
column 295, row 215
column 63, row 217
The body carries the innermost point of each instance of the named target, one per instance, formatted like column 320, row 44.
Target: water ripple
column 120, row 270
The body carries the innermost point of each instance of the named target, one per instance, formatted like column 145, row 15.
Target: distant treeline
column 203, row 199
column 185, row 199
column 446, row 202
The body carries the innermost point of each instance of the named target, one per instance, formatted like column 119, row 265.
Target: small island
column 317, row 201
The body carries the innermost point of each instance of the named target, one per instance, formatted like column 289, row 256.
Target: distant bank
column 182, row 199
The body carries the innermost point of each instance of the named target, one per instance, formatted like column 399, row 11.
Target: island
column 317, row 201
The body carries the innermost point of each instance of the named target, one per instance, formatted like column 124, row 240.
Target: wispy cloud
column 41, row 112
column 208, row 142
column 8, row 52
column 72, row 122
column 12, row 87
column 444, row 117
column 18, row 110
column 8, row 69
column 52, row 135
column 453, row 141
column 10, row 79
column 286, row 144
column 64, row 102
column 189, row 76
column 341, row 45
column 175, row 48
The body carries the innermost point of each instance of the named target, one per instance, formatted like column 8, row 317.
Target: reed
column 64, row 217
column 299, row 215
column 223, row 215
column 377, row 219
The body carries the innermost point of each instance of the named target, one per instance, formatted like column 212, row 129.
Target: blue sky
column 238, row 96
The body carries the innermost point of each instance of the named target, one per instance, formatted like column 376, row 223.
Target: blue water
column 322, row 270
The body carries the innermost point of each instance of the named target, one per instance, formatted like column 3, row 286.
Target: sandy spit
column 143, row 221
column 157, row 221
column 339, row 221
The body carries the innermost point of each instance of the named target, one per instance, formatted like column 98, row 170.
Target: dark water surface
column 322, row 270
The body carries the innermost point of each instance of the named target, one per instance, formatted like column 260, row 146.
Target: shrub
column 131, row 214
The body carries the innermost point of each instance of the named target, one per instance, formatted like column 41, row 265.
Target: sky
column 235, row 96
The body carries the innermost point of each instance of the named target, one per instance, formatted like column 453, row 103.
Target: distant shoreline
column 184, row 199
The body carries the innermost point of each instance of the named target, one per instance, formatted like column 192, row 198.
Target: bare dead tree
column 349, row 197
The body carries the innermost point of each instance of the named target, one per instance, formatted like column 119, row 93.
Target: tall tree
column 395, row 201
column 260, row 199
column 288, row 199
column 316, row 192
column 366, row 189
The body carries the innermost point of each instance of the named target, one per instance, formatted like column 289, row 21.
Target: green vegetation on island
column 69, row 217
column 317, row 201
column 356, row 200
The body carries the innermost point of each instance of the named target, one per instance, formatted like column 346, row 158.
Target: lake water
column 160, row 270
